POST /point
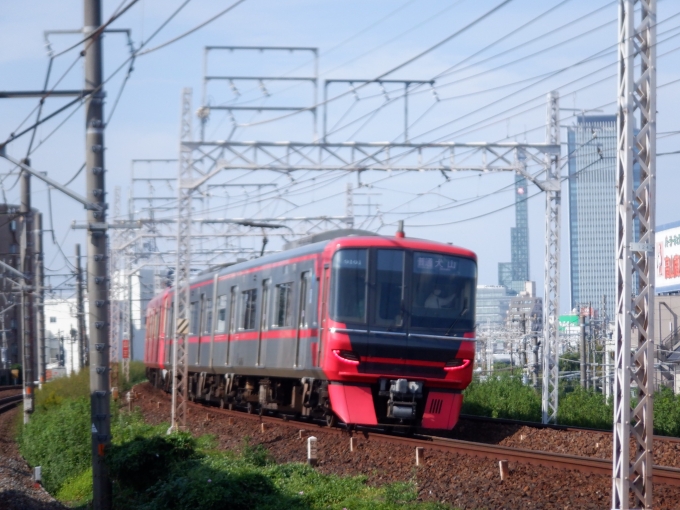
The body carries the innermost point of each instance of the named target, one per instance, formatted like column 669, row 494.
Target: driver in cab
column 435, row 299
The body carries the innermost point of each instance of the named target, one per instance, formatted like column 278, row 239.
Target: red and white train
column 370, row 330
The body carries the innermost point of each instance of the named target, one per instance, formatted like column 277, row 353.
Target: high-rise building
column 515, row 273
column 492, row 305
column 592, row 212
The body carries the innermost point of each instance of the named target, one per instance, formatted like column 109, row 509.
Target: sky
column 491, row 82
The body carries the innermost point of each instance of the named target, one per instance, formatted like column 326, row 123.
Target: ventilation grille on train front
column 436, row 406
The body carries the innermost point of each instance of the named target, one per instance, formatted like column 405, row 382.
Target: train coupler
column 402, row 395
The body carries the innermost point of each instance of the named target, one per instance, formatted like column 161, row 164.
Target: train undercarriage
column 397, row 402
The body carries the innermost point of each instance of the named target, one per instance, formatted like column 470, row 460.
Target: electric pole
column 80, row 308
column 582, row 337
column 40, row 296
column 27, row 335
column 97, row 266
column 635, row 274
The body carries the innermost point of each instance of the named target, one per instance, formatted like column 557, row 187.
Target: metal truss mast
column 551, row 297
column 180, row 369
column 634, row 310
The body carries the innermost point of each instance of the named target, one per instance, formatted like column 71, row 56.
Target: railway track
column 661, row 474
column 8, row 403
column 551, row 426
column 16, row 387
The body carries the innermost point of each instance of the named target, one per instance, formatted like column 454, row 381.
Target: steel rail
column 15, row 387
column 553, row 426
column 8, row 403
column 661, row 474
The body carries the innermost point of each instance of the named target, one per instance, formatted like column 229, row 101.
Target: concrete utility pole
column 80, row 309
column 97, row 267
column 634, row 308
column 582, row 337
column 40, row 297
column 27, row 333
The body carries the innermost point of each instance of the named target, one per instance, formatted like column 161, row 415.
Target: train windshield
column 443, row 292
column 418, row 290
column 350, row 274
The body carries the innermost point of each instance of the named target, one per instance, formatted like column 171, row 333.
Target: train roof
column 343, row 241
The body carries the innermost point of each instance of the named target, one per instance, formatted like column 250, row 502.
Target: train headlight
column 456, row 364
column 346, row 356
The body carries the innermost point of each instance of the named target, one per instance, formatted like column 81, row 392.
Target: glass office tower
column 592, row 214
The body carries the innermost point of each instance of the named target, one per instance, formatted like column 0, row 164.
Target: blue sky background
column 356, row 39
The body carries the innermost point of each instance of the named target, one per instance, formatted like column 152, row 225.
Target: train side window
column 348, row 286
column 193, row 318
column 283, row 317
column 221, row 322
column 207, row 327
column 248, row 303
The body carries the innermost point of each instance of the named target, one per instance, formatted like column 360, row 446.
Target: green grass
column 151, row 470
column 502, row 397
column 193, row 476
column 505, row 396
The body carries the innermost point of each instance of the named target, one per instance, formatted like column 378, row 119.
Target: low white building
column 61, row 334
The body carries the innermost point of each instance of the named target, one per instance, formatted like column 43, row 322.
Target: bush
column 143, row 461
column 54, row 392
column 502, row 397
column 585, row 408
column 59, row 440
column 667, row 413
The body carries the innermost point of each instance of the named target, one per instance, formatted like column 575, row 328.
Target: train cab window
column 248, row 302
column 283, row 315
column 208, row 314
column 348, row 286
column 221, row 322
column 389, row 288
column 193, row 318
column 443, row 292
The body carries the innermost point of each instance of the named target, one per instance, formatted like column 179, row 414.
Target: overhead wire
column 409, row 61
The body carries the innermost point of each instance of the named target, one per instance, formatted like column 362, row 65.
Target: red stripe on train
column 277, row 334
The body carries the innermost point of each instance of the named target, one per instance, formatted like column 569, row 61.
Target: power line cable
column 189, row 32
column 447, row 39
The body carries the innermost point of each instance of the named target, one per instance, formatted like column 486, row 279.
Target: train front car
column 398, row 319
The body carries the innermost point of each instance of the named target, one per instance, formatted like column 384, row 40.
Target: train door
column 232, row 322
column 303, row 319
column 200, row 317
column 213, row 321
column 264, row 320
column 170, row 339
column 323, row 321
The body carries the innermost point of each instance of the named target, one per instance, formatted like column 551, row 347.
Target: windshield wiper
column 457, row 319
